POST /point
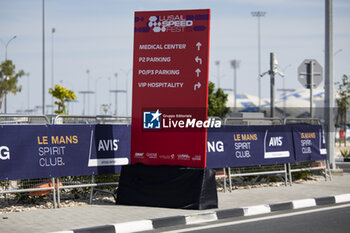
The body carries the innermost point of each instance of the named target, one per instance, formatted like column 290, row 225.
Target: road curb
column 152, row 224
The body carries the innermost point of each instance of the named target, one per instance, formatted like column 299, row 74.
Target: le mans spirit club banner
column 170, row 88
column 40, row 151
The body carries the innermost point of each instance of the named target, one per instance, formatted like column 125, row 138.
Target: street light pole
column 284, row 89
column 235, row 65
column 52, row 64
column 116, row 94
column 85, row 93
column 259, row 14
column 218, row 65
column 43, row 57
column 88, row 89
column 127, row 91
column 6, row 45
column 272, row 84
column 272, row 72
column 28, row 91
column 329, row 96
column 96, row 104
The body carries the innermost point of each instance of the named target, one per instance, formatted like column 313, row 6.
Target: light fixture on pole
column 52, row 64
column 6, row 44
column 235, row 65
column 272, row 72
column 259, row 14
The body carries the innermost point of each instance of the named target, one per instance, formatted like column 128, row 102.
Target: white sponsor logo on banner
column 4, row 153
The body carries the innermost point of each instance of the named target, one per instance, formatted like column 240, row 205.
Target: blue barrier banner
column 39, row 151
column 237, row 146
column 309, row 142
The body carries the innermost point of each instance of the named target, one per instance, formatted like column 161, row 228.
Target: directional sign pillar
column 170, row 104
column 170, row 86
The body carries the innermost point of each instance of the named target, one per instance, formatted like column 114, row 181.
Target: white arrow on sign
column 198, row 71
column 198, row 60
column 199, row 45
column 197, row 86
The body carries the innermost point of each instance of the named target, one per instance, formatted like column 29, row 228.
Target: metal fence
column 107, row 185
column 99, row 119
column 55, row 188
column 16, row 190
column 23, row 119
column 90, row 181
column 313, row 166
column 282, row 171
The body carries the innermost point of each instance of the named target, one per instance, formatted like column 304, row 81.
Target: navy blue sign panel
column 309, row 142
column 39, row 151
column 236, row 146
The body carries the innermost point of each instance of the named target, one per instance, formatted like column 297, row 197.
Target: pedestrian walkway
column 51, row 220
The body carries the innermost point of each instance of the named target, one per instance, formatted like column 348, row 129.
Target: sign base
column 167, row 186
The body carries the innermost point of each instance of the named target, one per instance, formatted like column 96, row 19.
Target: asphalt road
column 335, row 219
column 345, row 166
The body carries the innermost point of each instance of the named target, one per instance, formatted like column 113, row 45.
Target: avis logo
column 276, row 141
column 151, row 120
column 4, row 153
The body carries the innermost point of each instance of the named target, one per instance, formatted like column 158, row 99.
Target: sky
column 97, row 36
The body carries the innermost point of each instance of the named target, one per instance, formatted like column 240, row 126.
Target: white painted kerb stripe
column 135, row 226
column 200, row 218
column 342, row 198
column 303, row 203
column 232, row 223
column 255, row 210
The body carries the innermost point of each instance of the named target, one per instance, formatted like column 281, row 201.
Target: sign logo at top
column 171, row 23
column 168, row 23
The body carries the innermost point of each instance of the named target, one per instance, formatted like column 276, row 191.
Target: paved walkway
column 50, row 220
